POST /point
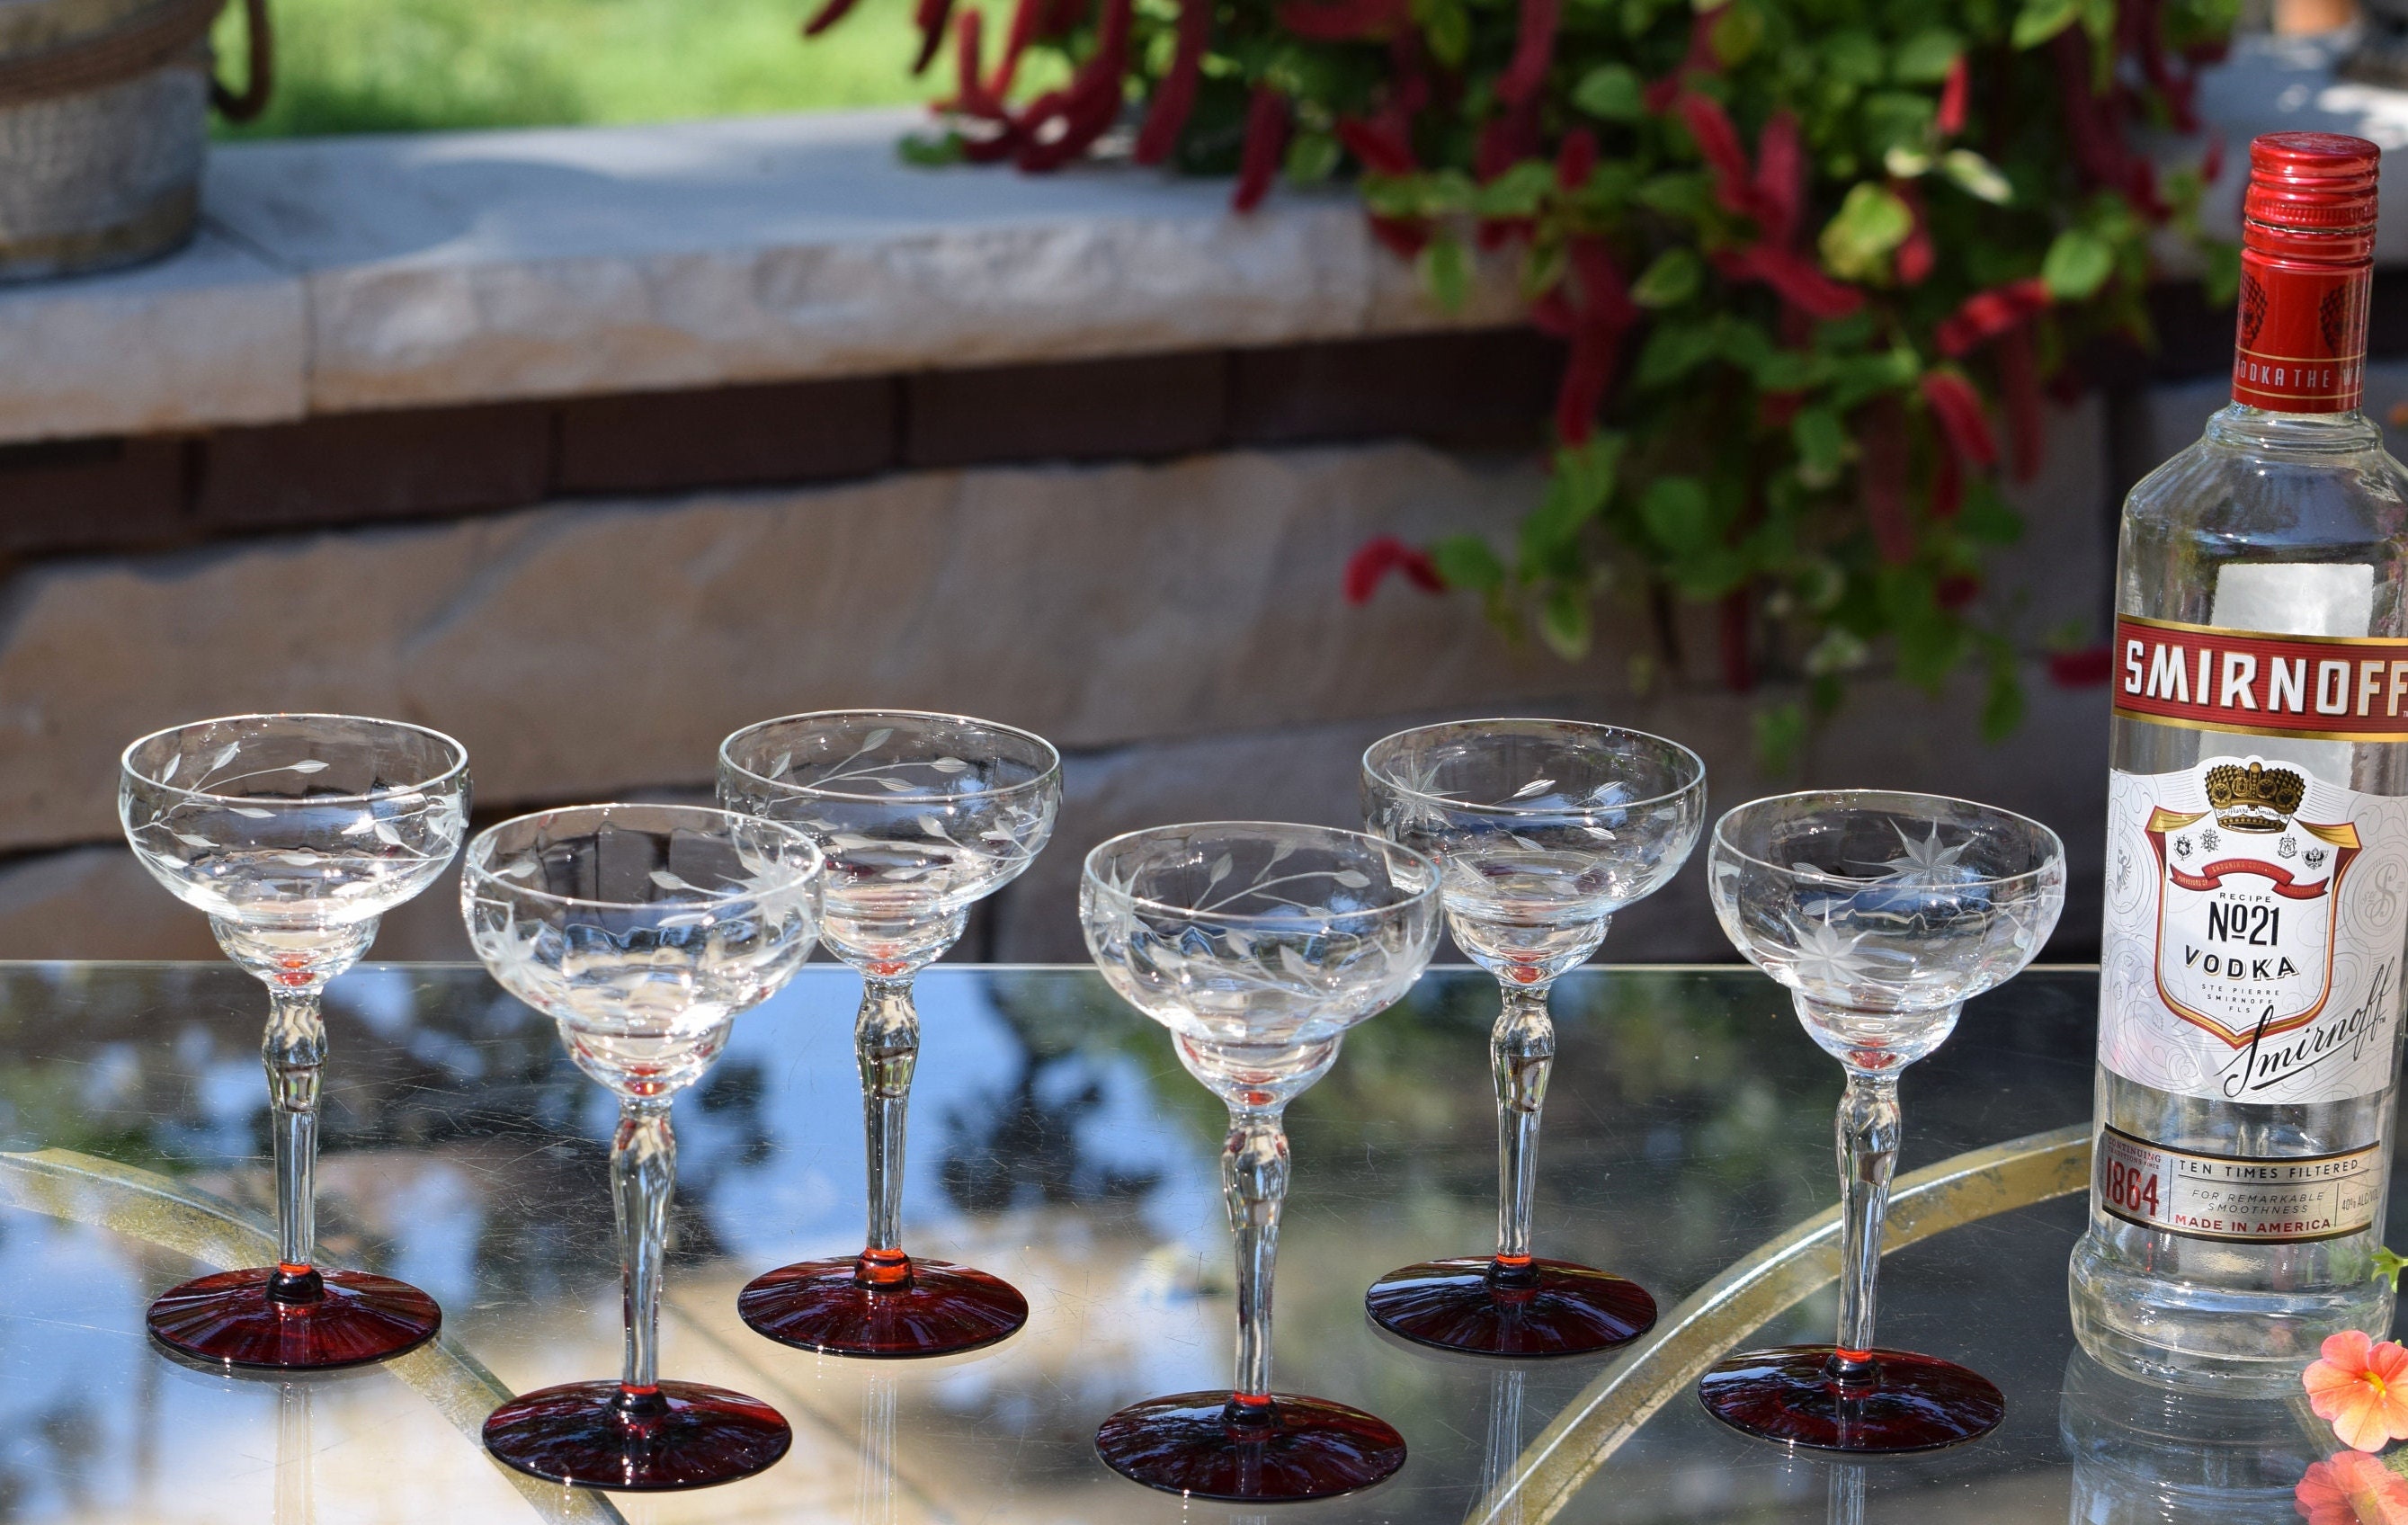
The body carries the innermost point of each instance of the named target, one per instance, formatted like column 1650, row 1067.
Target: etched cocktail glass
column 920, row 817
column 1882, row 913
column 295, row 833
column 1542, row 829
column 1257, row 945
column 641, row 931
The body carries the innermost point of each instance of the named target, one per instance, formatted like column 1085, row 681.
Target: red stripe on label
column 2323, row 688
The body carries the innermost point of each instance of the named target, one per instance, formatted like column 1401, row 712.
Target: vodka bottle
column 2257, row 858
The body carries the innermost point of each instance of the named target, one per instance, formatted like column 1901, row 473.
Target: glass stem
column 1521, row 1055
column 1254, row 1182
column 886, row 1044
column 643, row 1174
column 1868, row 1131
column 294, row 1053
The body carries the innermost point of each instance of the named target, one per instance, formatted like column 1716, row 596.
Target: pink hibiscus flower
column 2362, row 1387
column 2352, row 1489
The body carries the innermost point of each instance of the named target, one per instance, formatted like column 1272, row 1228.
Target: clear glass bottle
column 2257, row 856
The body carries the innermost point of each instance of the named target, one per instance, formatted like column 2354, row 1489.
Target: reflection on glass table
column 1067, row 1152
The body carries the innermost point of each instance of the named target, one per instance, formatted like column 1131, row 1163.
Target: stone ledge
column 452, row 268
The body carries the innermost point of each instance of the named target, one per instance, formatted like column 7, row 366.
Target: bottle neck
column 2299, row 340
column 2265, row 431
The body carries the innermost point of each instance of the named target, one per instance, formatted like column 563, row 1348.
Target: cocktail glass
column 920, row 817
column 1882, row 913
column 295, row 833
column 641, row 931
column 1257, row 945
column 1542, row 829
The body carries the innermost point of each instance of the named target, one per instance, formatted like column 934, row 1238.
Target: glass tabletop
column 1057, row 1143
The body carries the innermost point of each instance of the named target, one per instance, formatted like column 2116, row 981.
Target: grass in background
column 407, row 66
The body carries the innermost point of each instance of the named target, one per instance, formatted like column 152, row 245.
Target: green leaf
column 1739, row 33
column 1673, row 349
column 1678, row 513
column 2221, row 279
column 1445, row 271
column 1822, row 444
column 2003, row 705
column 1791, row 370
column 2040, row 20
column 1588, row 470
column 1681, row 192
column 1926, row 58
column 1670, row 279
column 1987, row 517
column 1564, row 620
column 1313, row 156
column 1446, row 26
column 1612, row 90
column 1467, row 562
column 1858, row 241
column 1853, row 57
column 1976, row 176
column 1779, row 733
column 2077, row 265
column 1582, row 480
column 929, row 153
column 1516, row 193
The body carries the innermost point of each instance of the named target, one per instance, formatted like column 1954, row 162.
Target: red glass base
column 1907, row 1403
column 353, row 1319
column 940, row 1309
column 1562, row 1309
column 1297, row 1448
column 689, row 1435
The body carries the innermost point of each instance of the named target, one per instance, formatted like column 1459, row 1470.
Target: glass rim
column 1723, row 844
column 474, row 872
column 1431, row 893
column 1442, row 802
column 1053, row 769
column 459, row 765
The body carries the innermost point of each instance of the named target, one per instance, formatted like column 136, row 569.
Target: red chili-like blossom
column 1957, row 408
column 1699, row 59
column 1947, row 484
column 1956, row 590
column 2086, row 669
column 1799, row 280
column 931, row 17
column 1404, row 237
column 1534, row 51
column 2099, row 149
column 1505, row 142
column 2019, row 383
column 969, row 90
column 1552, row 313
column 1604, row 291
column 1780, row 177
column 1915, row 257
column 1375, row 559
column 2211, row 164
column 1267, row 123
column 827, row 16
column 1739, row 667
column 1986, row 314
column 1599, row 312
column 1710, row 128
column 1087, row 108
column 1774, row 410
column 1341, row 20
column 1881, row 479
column 1576, row 159
column 1175, row 97
column 1956, row 98
column 1384, row 143
column 1016, row 37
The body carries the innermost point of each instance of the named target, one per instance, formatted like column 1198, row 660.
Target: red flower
column 1376, row 557
column 1881, row 479
column 1954, row 97
column 1534, row 51
column 1266, row 141
column 1986, row 314
column 2352, row 1489
column 2086, row 669
column 1956, row 590
column 1176, row 96
column 1915, row 255
column 1340, row 21
column 1384, row 143
column 1576, row 160
column 2362, row 1387
column 1957, row 408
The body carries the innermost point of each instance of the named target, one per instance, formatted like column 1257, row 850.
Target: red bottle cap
column 2312, row 182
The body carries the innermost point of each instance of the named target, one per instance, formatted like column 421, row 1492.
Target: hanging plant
column 1814, row 262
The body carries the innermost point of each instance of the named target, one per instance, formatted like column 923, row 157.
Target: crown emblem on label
column 2258, row 797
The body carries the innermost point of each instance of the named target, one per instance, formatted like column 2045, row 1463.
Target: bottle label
column 2272, row 1200
column 2325, row 688
column 2256, row 916
column 2300, row 347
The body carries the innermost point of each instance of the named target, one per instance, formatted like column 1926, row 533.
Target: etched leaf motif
column 308, row 765
column 517, row 867
column 878, row 738
column 950, row 765
column 1537, row 786
column 225, row 755
column 170, row 771
column 252, row 813
column 670, row 880
column 1352, row 878
column 191, row 840
column 386, row 834
column 1294, row 962
column 301, row 859
column 1221, row 867
column 784, row 760
column 891, row 785
column 1282, row 850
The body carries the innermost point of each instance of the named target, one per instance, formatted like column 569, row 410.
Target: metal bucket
column 104, row 122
